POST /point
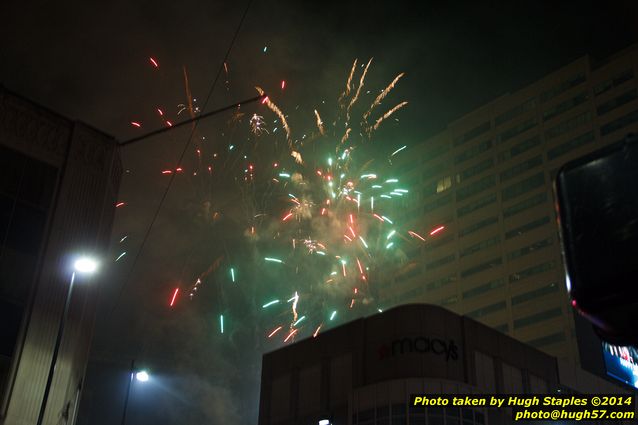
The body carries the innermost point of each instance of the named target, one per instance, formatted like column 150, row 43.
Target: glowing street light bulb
column 142, row 376
column 85, row 265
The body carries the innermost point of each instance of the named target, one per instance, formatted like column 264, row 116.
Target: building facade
column 364, row 372
column 488, row 179
column 58, row 187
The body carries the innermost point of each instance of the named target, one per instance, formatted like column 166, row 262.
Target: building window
column 440, row 262
column 570, row 145
column 516, row 130
column 435, row 152
column 547, row 340
column 438, row 202
column 537, row 317
column 439, row 242
column 444, row 184
column 521, row 168
column 486, row 287
column 478, row 225
column 519, row 148
column 619, row 123
column 614, row 103
column 476, row 205
column 614, row 82
column 527, row 227
column 476, row 187
column 494, row 262
column 531, row 271
column 487, row 243
column 529, row 249
column 562, row 87
column 565, row 106
column 439, row 283
column 524, row 205
column 473, row 151
column 414, row 272
column 449, row 300
column 516, row 111
column 568, row 125
column 433, row 170
column 536, row 293
column 484, row 311
column 530, row 183
column 475, row 132
column 474, row 170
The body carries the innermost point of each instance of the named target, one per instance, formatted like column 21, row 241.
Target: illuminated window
column 444, row 184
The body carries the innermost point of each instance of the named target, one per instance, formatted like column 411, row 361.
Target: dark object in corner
column 597, row 210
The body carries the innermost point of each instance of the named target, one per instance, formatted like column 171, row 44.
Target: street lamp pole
column 128, row 391
column 82, row 265
column 56, row 350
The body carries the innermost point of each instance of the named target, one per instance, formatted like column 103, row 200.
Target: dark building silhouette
column 364, row 372
column 58, row 185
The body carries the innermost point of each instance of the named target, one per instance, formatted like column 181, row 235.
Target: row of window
column 399, row 412
column 534, row 294
column 487, row 243
column 476, row 187
column 565, row 106
column 616, row 102
column 473, row 133
column 619, row 123
column 494, row 262
column 521, row 168
column 516, row 111
column 547, row 340
column 535, row 318
column 613, row 82
column 486, row 287
column 488, row 309
column 563, row 87
column 519, row 148
column 478, row 225
column 531, row 271
column 568, row 125
column 476, row 205
column 440, row 262
column 527, row 227
column 570, row 145
column 512, row 132
column 529, row 249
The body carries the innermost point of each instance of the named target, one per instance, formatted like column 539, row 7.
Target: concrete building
column 365, row 371
column 488, row 179
column 58, row 186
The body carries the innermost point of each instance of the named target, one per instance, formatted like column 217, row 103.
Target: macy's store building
column 364, row 372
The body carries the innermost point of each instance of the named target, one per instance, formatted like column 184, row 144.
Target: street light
column 140, row 375
column 83, row 265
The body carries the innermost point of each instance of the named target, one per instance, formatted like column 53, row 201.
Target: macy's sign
column 420, row 344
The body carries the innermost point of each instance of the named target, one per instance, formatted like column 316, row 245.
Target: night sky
column 90, row 61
